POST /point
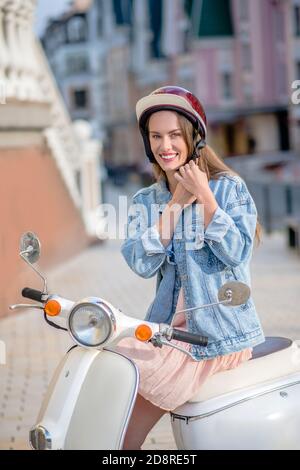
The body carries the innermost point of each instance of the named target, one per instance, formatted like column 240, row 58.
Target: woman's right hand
column 182, row 196
column 171, row 214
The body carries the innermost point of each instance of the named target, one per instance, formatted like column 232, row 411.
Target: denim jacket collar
column 163, row 194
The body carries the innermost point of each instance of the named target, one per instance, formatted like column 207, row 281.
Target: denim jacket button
column 210, row 242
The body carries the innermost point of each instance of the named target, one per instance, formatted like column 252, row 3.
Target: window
column 214, row 18
column 80, row 99
column 230, row 137
column 77, row 64
column 156, row 23
column 248, row 92
column 244, row 10
column 227, row 85
column 297, row 19
column 60, row 35
column 100, row 18
column 298, row 71
column 77, row 29
column 123, row 11
column 279, row 25
column 246, row 57
column 282, row 79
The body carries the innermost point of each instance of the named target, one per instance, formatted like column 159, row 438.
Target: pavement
column 34, row 348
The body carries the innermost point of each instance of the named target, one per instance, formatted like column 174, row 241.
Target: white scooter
column 92, row 393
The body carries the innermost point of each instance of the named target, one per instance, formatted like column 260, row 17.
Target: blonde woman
column 194, row 228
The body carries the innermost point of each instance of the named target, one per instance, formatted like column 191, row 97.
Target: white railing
column 25, row 77
column 75, row 152
column 20, row 73
column 60, row 136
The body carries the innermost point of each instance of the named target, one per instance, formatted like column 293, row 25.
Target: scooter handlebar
column 32, row 294
column 191, row 338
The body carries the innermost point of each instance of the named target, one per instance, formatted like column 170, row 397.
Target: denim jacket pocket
column 207, row 260
column 245, row 314
column 248, row 318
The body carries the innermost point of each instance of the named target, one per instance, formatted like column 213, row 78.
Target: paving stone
column 34, row 349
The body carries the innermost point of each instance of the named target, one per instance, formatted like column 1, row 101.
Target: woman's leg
column 143, row 418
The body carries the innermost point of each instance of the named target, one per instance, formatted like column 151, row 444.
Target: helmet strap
column 198, row 145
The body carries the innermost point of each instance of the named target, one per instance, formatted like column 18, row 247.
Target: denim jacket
column 200, row 261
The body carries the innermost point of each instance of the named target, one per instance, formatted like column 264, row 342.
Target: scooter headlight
column 91, row 322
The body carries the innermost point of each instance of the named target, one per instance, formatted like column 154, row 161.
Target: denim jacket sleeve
column 231, row 232
column 142, row 249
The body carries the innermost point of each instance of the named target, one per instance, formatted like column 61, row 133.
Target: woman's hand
column 194, row 180
column 182, row 196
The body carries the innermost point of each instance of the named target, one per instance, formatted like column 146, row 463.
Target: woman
column 195, row 229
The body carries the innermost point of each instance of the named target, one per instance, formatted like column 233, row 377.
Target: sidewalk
column 34, row 348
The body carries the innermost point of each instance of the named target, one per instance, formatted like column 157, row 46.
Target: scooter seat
column 275, row 358
column 271, row 345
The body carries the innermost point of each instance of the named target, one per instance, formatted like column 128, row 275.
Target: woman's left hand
column 194, row 180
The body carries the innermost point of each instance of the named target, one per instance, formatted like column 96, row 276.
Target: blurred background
column 72, row 71
column 70, row 75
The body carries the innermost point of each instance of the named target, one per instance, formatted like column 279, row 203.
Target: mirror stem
column 204, row 306
column 201, row 306
column 45, row 288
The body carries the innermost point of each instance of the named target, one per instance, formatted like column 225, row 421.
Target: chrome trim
column 16, row 306
column 39, row 438
column 165, row 343
column 99, row 303
column 137, row 381
column 206, row 415
column 226, row 301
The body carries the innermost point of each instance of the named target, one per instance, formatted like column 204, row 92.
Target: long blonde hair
column 209, row 162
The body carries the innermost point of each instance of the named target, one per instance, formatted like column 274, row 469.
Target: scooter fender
column 88, row 403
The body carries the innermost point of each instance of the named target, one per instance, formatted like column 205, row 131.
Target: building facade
column 241, row 57
column 295, row 75
column 49, row 174
column 234, row 54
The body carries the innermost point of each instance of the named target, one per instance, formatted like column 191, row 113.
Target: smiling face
column 167, row 142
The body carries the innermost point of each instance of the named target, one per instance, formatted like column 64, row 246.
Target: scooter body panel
column 89, row 402
column 266, row 416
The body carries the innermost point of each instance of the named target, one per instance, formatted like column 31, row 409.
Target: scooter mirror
column 236, row 293
column 30, row 247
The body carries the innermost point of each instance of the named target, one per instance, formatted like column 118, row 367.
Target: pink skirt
column 168, row 377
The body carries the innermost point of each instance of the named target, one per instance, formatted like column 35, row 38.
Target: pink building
column 241, row 62
column 295, row 75
column 238, row 56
